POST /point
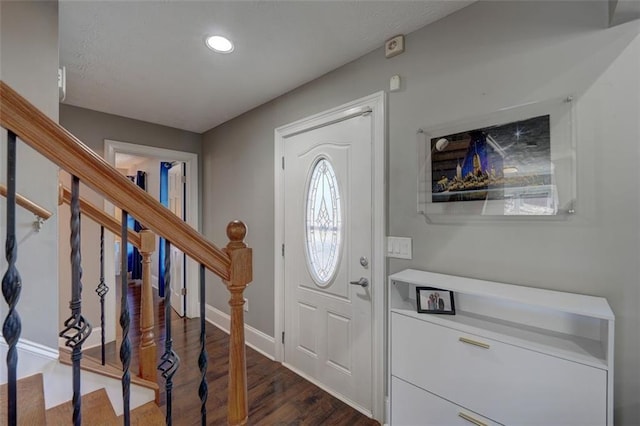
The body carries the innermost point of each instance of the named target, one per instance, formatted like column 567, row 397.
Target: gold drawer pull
column 471, row 419
column 474, row 343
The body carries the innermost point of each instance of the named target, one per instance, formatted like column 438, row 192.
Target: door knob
column 362, row 282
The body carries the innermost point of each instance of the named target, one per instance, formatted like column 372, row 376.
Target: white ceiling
column 147, row 59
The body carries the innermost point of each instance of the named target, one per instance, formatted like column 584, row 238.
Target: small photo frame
column 432, row 300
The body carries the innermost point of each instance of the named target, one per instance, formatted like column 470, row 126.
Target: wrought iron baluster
column 11, row 284
column 102, row 290
column 203, row 390
column 125, row 347
column 170, row 361
column 76, row 327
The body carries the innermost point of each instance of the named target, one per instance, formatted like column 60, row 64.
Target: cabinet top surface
column 566, row 302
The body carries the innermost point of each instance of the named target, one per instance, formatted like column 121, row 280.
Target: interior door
column 328, row 244
column 176, row 205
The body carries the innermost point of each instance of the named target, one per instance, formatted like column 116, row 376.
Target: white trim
column 254, row 338
column 154, row 281
column 32, row 358
column 94, row 339
column 193, row 211
column 33, row 348
column 378, row 262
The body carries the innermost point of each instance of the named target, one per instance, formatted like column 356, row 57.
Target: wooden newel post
column 241, row 274
column 148, row 360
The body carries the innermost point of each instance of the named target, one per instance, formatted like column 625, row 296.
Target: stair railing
column 145, row 241
column 232, row 264
column 38, row 211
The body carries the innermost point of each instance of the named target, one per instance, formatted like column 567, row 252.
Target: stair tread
column 147, row 414
column 96, row 410
column 31, row 409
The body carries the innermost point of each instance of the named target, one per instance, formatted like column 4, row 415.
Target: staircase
column 96, row 407
column 24, row 399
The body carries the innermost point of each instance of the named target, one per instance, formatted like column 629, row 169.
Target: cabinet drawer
column 412, row 406
column 512, row 385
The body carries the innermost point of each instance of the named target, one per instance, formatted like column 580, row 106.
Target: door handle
column 362, row 282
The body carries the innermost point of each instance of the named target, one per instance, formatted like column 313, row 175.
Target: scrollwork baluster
column 203, row 390
column 76, row 328
column 170, row 361
column 11, row 284
column 102, row 289
column 125, row 320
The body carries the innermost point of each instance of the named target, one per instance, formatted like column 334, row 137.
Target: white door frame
column 192, row 217
column 376, row 103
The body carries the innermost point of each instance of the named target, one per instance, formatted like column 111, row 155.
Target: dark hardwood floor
column 276, row 395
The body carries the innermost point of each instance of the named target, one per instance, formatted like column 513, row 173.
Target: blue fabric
column 164, row 200
column 130, row 224
column 134, row 258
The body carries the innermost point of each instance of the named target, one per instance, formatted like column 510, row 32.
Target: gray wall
column 92, row 128
column 488, row 56
column 29, row 64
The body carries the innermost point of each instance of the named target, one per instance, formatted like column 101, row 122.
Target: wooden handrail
column 99, row 216
column 58, row 145
column 23, row 201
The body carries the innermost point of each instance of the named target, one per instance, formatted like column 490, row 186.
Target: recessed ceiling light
column 219, row 44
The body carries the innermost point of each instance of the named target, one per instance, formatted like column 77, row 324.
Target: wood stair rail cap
column 61, row 147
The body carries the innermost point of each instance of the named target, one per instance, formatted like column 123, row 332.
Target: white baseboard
column 254, row 338
column 32, row 358
column 94, row 339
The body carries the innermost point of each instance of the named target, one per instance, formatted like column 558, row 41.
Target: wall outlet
column 62, row 83
column 246, row 304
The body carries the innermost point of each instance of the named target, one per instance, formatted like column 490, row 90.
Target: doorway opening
column 185, row 301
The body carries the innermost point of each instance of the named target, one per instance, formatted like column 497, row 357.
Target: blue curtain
column 130, row 225
column 164, row 200
column 133, row 255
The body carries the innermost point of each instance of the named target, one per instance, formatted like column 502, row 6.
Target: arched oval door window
column 323, row 222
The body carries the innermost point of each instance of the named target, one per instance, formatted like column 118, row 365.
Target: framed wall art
column 515, row 162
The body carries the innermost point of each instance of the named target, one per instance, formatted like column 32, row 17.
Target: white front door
column 176, row 205
column 328, row 247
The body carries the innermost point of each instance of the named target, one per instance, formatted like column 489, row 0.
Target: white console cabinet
column 511, row 355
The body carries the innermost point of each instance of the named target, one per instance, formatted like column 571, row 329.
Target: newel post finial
column 240, row 275
column 236, row 231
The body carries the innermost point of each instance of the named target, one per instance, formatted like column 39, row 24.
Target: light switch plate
column 399, row 247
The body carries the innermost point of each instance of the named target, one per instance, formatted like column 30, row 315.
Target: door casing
column 112, row 147
column 376, row 104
